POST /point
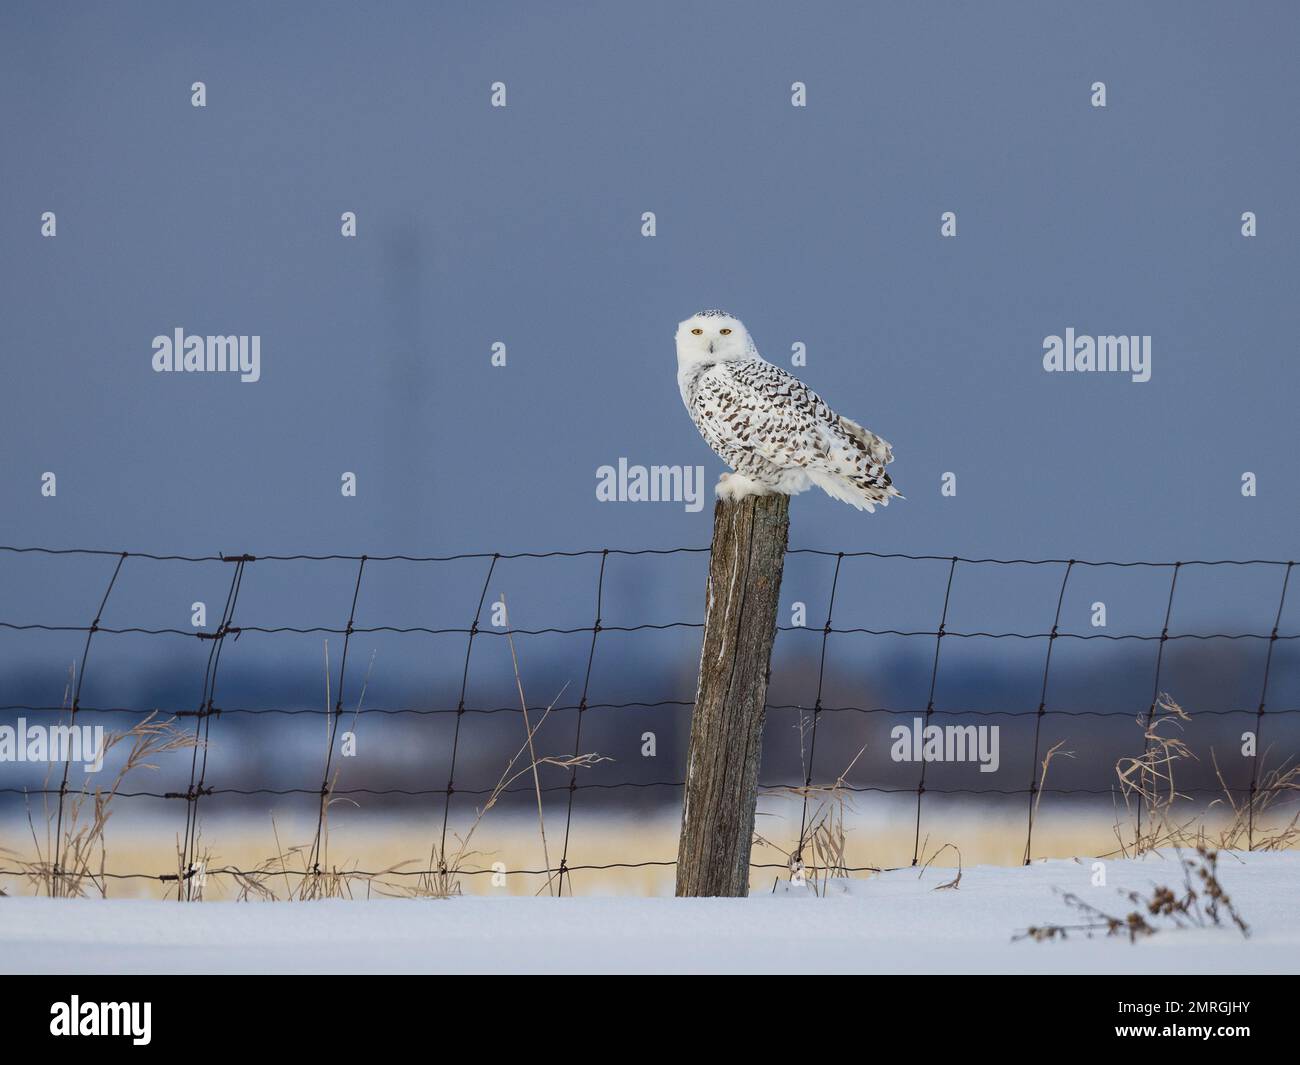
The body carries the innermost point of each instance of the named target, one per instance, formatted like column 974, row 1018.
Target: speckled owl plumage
column 775, row 432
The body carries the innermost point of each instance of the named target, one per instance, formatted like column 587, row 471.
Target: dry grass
column 70, row 851
column 1149, row 789
column 301, row 877
column 828, row 837
column 1042, row 777
column 1042, row 786
column 878, row 834
column 448, row 865
column 1202, row 904
column 305, row 877
column 305, row 869
column 532, row 752
column 296, row 872
column 823, row 835
column 1248, row 825
column 955, row 882
column 1147, row 783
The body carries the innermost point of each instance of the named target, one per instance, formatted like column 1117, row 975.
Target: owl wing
column 754, row 408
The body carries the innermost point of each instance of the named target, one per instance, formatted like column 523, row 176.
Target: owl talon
column 735, row 486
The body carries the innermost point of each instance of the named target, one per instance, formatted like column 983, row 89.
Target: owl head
column 712, row 336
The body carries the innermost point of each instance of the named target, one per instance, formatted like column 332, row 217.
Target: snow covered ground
column 895, row 922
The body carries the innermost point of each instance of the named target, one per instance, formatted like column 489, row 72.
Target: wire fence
column 204, row 717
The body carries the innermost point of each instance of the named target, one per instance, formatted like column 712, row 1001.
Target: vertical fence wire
column 189, row 870
column 314, row 862
column 202, row 733
column 1042, row 710
column 55, row 871
column 1144, row 775
column 1259, row 715
column 929, row 705
column 817, row 710
column 460, row 713
column 577, row 737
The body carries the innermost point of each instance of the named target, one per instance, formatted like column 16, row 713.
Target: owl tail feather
column 877, row 446
column 862, row 498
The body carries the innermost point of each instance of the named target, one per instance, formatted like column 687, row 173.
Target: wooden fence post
column 745, row 566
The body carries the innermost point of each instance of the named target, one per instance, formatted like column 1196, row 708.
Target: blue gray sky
column 522, row 225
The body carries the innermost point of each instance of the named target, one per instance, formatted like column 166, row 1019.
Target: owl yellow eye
column 725, row 332
column 697, row 332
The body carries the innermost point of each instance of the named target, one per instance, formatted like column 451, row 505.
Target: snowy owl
column 774, row 431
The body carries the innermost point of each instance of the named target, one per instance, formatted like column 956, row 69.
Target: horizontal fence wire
column 243, row 565
column 558, row 707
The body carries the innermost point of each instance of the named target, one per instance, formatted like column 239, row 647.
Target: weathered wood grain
column 744, row 591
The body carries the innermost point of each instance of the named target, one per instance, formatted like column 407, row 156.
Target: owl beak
column 710, row 347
